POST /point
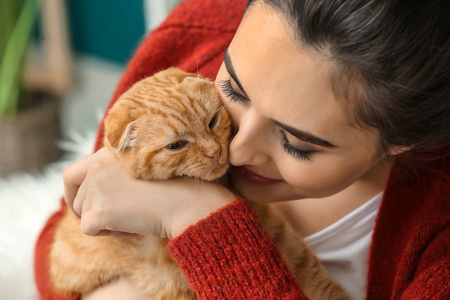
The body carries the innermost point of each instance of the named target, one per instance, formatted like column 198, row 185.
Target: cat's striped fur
column 168, row 125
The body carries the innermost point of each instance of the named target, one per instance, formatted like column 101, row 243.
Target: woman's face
column 293, row 139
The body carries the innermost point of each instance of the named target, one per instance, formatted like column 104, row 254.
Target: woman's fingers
column 78, row 202
column 73, row 177
column 90, row 224
column 117, row 234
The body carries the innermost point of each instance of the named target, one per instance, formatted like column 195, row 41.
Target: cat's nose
column 215, row 156
column 213, row 152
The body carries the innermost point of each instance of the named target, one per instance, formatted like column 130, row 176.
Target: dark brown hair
column 392, row 56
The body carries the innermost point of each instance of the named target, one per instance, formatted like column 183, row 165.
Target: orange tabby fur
column 168, row 125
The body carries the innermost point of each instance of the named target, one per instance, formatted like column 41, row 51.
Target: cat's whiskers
column 185, row 178
column 196, row 181
column 198, row 77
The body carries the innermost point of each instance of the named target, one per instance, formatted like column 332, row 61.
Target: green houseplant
column 17, row 20
column 29, row 126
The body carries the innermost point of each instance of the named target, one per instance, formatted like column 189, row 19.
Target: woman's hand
column 110, row 202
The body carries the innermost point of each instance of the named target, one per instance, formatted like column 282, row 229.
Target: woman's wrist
column 206, row 199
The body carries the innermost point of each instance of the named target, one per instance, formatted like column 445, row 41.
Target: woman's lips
column 255, row 178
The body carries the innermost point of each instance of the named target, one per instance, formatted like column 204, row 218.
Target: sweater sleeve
column 410, row 251
column 432, row 278
column 429, row 253
column 229, row 255
column 41, row 270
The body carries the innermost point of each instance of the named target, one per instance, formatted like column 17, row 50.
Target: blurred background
column 60, row 61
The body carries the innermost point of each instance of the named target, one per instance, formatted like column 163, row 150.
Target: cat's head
column 168, row 125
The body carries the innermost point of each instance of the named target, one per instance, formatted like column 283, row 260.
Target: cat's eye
column 177, row 145
column 212, row 122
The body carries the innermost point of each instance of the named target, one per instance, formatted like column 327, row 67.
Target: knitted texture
column 247, row 258
column 229, row 255
column 410, row 253
column 41, row 269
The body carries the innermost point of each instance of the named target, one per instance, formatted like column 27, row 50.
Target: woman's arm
column 110, row 202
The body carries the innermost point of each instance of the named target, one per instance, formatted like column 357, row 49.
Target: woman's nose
column 249, row 145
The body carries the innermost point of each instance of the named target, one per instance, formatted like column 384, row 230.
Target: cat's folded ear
column 177, row 74
column 193, row 80
column 128, row 137
column 185, row 77
column 119, row 131
column 194, row 84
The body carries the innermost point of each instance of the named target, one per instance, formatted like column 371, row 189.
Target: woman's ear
column 396, row 150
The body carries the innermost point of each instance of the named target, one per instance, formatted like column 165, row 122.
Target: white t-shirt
column 343, row 247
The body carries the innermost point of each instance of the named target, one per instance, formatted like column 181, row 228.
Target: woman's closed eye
column 293, row 151
column 229, row 92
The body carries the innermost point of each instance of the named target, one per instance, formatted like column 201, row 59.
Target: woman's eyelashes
column 230, row 92
column 294, row 152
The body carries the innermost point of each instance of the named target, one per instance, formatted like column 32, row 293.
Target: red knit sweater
column 229, row 255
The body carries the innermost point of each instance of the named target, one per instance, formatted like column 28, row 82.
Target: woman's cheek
column 314, row 177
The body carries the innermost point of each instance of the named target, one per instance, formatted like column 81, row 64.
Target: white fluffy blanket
column 26, row 202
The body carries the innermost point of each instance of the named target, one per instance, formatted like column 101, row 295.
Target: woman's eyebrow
column 230, row 70
column 304, row 136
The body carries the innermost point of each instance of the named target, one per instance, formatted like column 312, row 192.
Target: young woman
column 341, row 112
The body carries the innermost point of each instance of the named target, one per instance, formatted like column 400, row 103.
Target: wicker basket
column 29, row 141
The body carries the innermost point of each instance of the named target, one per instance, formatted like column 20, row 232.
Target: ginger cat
column 168, row 125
